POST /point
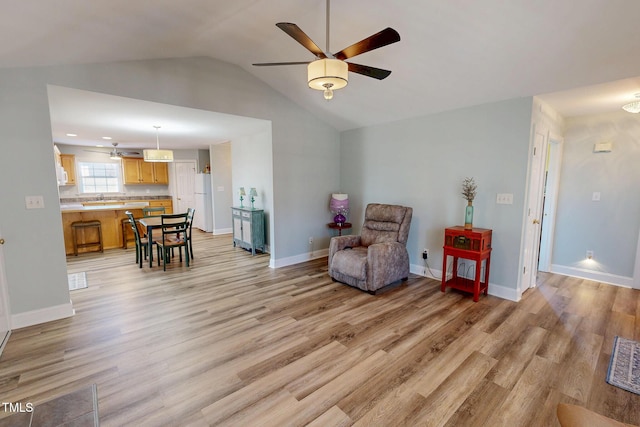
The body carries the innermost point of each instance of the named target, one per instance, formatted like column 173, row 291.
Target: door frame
column 551, row 189
column 636, row 268
column 532, row 209
column 4, row 301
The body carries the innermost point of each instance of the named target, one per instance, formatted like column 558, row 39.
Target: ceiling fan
column 329, row 72
column 115, row 154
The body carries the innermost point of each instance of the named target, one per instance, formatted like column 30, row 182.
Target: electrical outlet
column 425, row 253
column 311, row 240
column 589, row 254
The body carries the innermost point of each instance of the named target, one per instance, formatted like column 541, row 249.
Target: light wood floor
column 230, row 341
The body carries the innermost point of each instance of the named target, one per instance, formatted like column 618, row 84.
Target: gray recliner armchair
column 378, row 257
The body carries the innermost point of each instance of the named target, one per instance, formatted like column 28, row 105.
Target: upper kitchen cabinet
column 68, row 162
column 136, row 171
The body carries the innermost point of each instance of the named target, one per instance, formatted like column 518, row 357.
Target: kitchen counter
column 78, row 207
column 110, row 213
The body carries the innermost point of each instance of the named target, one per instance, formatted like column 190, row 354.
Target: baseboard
column 222, row 231
column 297, row 259
column 596, row 276
column 495, row 290
column 34, row 317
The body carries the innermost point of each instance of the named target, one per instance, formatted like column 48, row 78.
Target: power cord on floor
column 425, row 256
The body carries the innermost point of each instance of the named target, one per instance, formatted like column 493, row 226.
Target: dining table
column 152, row 222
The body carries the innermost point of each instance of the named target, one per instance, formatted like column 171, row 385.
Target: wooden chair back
column 153, row 211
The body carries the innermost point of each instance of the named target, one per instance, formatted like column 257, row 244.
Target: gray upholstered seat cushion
column 351, row 262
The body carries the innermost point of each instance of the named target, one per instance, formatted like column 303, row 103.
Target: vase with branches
column 469, row 190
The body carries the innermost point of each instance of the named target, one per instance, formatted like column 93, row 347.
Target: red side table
column 475, row 245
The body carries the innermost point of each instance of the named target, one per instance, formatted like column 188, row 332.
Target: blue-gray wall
column 610, row 226
column 422, row 162
column 302, row 147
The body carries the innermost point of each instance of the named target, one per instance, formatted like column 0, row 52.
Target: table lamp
column 242, row 194
column 253, row 193
column 339, row 205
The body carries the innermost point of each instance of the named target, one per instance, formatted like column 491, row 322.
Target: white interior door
column 552, row 184
column 5, row 328
column 185, row 176
column 534, row 210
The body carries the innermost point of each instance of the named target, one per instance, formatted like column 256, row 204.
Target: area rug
column 624, row 366
column 77, row 281
column 78, row 408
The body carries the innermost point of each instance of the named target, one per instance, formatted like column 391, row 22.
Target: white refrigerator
column 203, row 218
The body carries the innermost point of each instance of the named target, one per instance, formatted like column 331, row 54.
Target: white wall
column 300, row 143
column 609, row 227
column 422, row 162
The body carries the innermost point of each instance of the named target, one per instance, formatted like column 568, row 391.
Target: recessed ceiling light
column 71, row 134
column 99, row 145
column 106, row 137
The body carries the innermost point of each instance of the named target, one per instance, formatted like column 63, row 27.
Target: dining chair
column 174, row 235
column 153, row 211
column 190, row 213
column 141, row 242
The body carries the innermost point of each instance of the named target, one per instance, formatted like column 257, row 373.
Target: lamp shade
column 327, row 73
column 253, row 192
column 242, row 192
column 339, row 203
column 158, row 155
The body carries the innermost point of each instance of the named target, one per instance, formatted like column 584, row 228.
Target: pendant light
column 158, row 155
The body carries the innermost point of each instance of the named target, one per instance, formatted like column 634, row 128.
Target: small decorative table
column 339, row 227
column 474, row 245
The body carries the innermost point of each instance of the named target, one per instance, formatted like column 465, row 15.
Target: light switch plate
column 504, row 198
column 34, row 202
column 596, row 196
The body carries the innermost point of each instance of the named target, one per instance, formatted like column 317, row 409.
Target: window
column 99, row 177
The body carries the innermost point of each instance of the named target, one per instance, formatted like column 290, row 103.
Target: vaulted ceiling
column 452, row 53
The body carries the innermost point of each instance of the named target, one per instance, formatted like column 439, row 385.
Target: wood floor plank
column 231, row 341
column 523, row 404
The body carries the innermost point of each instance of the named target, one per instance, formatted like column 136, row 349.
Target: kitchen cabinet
column 166, row 203
column 248, row 228
column 68, row 162
column 136, row 171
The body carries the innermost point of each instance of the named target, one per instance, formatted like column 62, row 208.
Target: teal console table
column 248, row 228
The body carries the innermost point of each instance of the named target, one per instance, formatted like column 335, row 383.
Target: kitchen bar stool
column 85, row 226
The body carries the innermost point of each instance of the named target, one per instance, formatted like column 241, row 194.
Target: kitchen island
column 110, row 215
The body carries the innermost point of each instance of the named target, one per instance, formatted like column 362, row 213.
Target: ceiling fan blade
column 128, row 153
column 383, row 38
column 365, row 70
column 298, row 35
column 269, row 64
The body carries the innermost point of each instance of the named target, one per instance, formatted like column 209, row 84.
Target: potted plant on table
column 469, row 189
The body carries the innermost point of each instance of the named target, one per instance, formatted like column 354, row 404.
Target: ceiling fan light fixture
column 328, row 93
column 328, row 75
column 158, row 155
column 633, row 107
column 115, row 156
